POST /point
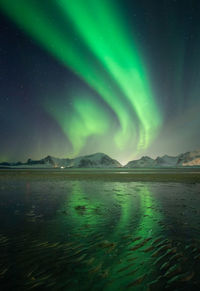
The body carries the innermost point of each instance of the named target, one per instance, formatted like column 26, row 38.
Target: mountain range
column 101, row 160
column 98, row 160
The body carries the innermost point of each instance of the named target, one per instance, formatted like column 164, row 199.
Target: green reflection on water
column 101, row 252
column 149, row 215
column 83, row 209
column 126, row 207
column 146, row 229
column 113, row 212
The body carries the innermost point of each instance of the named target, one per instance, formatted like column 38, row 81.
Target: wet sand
column 95, row 230
column 188, row 175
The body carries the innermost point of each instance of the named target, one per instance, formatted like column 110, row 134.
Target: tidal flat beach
column 100, row 229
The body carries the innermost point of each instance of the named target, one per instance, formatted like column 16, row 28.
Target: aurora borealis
column 80, row 77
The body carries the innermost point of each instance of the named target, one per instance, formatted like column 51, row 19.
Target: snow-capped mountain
column 49, row 162
column 166, row 161
column 98, row 160
column 189, row 158
column 182, row 160
column 144, row 162
column 159, row 162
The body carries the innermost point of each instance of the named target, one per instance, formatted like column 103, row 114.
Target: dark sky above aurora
column 84, row 76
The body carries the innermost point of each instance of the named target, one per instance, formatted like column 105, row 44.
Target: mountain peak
column 185, row 159
column 101, row 160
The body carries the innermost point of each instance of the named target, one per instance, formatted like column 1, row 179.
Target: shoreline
column 191, row 175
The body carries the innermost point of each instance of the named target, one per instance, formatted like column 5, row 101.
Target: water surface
column 98, row 234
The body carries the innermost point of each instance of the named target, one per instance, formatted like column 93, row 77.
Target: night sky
column 85, row 76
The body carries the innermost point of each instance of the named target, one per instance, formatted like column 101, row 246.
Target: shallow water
column 58, row 234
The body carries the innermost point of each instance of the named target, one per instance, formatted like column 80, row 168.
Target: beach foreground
column 100, row 229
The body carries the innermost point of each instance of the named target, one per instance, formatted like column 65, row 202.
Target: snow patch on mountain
column 144, row 162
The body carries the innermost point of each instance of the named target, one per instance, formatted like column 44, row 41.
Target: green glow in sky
column 86, row 119
column 101, row 28
column 106, row 58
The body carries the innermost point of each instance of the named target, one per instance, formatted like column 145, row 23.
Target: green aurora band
column 105, row 58
column 86, row 119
